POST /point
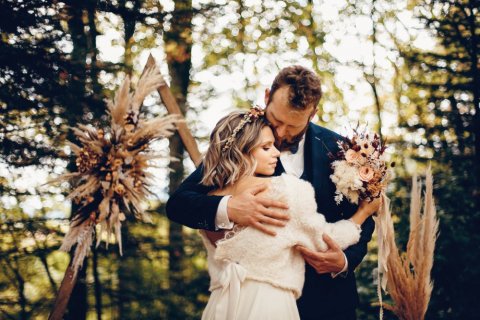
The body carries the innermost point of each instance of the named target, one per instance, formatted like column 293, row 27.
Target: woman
column 254, row 275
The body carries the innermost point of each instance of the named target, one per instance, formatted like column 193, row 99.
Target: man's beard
column 284, row 145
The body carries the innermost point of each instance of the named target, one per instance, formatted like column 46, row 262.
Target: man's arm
column 334, row 260
column 191, row 206
column 357, row 252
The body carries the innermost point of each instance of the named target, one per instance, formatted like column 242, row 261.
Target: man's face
column 288, row 122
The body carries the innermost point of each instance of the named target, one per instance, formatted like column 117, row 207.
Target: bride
column 254, row 275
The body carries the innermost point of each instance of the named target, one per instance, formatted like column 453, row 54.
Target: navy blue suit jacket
column 323, row 297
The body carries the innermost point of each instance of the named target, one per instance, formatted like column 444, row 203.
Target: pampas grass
column 408, row 274
column 111, row 180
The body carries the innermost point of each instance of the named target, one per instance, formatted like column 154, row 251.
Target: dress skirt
column 254, row 300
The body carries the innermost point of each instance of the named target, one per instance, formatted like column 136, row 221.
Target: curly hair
column 224, row 168
column 305, row 87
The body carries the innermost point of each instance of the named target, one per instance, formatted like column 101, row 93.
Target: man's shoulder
column 328, row 136
column 320, row 130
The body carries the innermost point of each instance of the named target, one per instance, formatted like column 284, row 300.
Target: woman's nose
column 276, row 152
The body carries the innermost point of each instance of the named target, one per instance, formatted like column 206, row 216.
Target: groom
column 330, row 290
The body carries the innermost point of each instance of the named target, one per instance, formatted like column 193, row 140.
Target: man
column 330, row 289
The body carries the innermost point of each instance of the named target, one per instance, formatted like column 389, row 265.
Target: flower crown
column 254, row 113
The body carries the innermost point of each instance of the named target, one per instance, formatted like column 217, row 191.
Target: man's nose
column 281, row 131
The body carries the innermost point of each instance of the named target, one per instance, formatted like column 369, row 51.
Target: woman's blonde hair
column 225, row 167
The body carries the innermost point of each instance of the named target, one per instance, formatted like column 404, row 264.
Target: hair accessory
column 254, row 113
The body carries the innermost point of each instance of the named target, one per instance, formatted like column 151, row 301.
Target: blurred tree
column 33, row 75
column 440, row 115
column 252, row 41
column 32, row 82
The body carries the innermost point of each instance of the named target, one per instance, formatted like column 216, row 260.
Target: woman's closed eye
column 267, row 146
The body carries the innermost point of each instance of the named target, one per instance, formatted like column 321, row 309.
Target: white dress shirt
column 294, row 164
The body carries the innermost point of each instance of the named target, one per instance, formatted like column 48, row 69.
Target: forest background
column 408, row 68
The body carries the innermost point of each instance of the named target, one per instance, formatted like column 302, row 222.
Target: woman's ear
column 267, row 96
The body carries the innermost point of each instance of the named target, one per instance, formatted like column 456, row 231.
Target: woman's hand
column 368, row 208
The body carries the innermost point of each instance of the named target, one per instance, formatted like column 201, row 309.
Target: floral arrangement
column 254, row 113
column 112, row 180
column 360, row 170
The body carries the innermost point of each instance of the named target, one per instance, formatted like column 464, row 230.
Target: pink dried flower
column 351, row 156
column 366, row 173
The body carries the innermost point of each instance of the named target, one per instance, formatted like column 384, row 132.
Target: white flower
column 338, row 197
column 347, row 181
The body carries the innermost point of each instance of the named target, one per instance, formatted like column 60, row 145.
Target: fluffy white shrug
column 273, row 259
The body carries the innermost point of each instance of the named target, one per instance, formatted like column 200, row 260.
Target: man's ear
column 314, row 112
column 267, row 96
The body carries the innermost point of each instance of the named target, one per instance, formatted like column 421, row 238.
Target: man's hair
column 221, row 167
column 305, row 87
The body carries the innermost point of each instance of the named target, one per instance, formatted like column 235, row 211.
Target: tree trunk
column 129, row 24
column 475, row 71
column 178, row 46
column 78, row 303
column 374, row 80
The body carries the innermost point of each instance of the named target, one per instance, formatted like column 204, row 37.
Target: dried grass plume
column 409, row 282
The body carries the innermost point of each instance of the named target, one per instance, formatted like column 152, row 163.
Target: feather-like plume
column 119, row 107
column 111, row 179
column 149, row 81
column 409, row 282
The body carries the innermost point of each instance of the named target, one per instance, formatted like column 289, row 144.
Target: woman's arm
column 365, row 210
column 338, row 230
column 311, row 225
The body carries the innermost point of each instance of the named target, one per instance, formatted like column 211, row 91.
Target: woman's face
column 266, row 154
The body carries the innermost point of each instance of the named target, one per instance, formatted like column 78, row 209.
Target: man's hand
column 332, row 260
column 251, row 209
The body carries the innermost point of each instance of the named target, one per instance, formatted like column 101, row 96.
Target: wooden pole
column 70, row 279
column 63, row 294
column 171, row 104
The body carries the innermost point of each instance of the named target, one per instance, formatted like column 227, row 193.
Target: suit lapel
column 320, row 163
column 316, row 161
column 279, row 168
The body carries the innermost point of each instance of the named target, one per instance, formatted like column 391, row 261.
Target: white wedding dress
column 257, row 276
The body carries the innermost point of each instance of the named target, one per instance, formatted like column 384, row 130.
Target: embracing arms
column 344, row 233
column 191, row 206
column 357, row 252
column 337, row 260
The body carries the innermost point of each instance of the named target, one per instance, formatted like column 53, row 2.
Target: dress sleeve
column 308, row 226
